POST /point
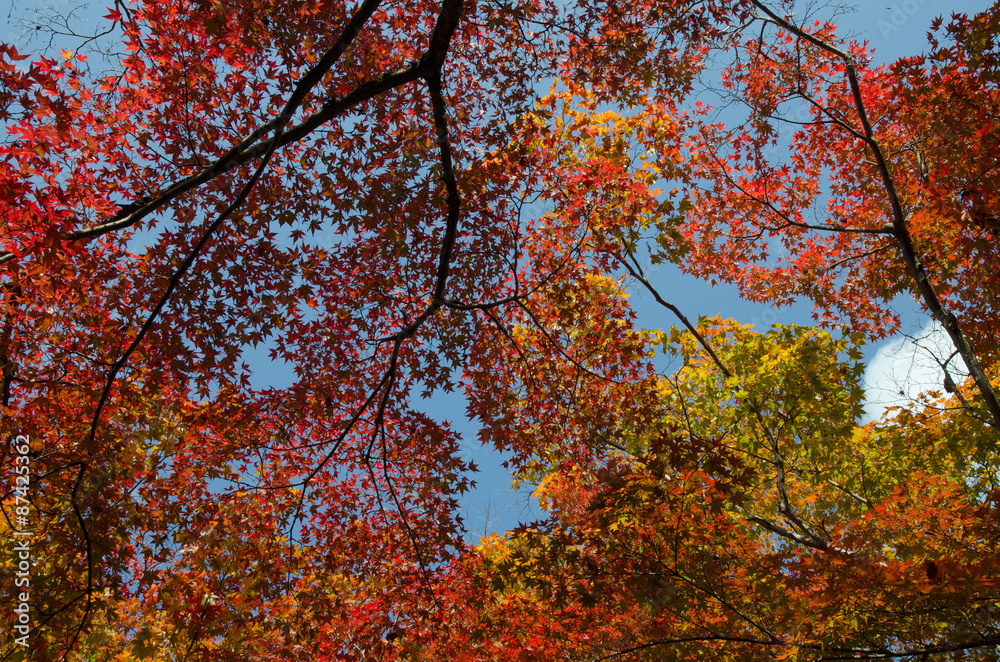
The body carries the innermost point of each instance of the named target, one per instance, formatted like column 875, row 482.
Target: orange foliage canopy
column 398, row 198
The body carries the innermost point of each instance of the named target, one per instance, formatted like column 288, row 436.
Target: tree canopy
column 407, row 197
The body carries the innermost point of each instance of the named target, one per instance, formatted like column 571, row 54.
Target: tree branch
column 899, row 226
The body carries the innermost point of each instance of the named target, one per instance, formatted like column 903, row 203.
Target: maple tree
column 409, row 197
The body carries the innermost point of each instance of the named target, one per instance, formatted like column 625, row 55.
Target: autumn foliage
column 394, row 199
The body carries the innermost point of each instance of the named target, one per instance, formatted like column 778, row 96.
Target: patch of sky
column 492, row 506
column 909, row 365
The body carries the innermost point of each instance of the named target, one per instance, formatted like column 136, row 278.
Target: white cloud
column 907, row 366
